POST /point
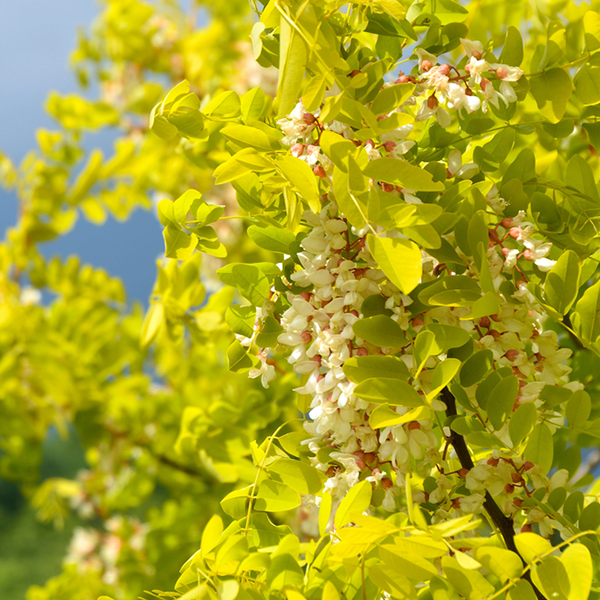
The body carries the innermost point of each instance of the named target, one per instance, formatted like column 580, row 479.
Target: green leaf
column 226, row 104
column 272, row 238
column 358, row 369
column 241, row 319
column 325, row 513
column 562, row 282
column 284, row 572
column 238, row 359
column 586, row 316
column 387, row 390
column 384, row 416
column 502, row 400
column 298, row 475
column 292, row 63
column 411, row 565
column 484, row 307
column 271, row 330
column 251, row 283
column 153, row 323
column 591, row 26
column 512, row 51
column 587, row 84
column 578, row 408
column 302, row 179
column 235, row 503
column 522, row 590
column 551, row 578
column 211, row 534
column 381, row 331
column 357, row 500
column 522, row 422
column 577, row 562
column 273, row 496
column 552, row 90
column 249, row 137
column 401, row 173
column 424, row 347
column 253, row 104
column 540, row 449
column 579, row 175
column 350, row 205
column 504, row 564
column 468, row 583
column 400, row 260
column 443, row 375
column 446, row 337
column 476, row 367
column 178, row 244
column 391, row 97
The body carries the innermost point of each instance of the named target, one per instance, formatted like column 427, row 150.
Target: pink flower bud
column 362, row 352
column 506, row 223
column 389, row 145
column 387, row 483
column 514, row 232
column 297, row 150
column 512, row 354
column 484, row 83
column 402, row 79
column 426, row 65
column 414, row 425
column 432, row 102
column 528, row 255
column 444, row 69
column 305, row 295
column 319, row 171
column 501, row 73
column 387, row 187
column 308, row 118
column 505, row 252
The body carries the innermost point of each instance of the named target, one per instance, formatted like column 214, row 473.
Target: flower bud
column 387, row 187
column 387, row 483
column 514, row 232
column 308, row 118
column 512, row 354
column 362, row 352
column 426, row 65
column 501, row 73
column 319, row 171
column 509, row 489
column 462, row 473
column 432, row 102
column 527, row 465
column 389, row 145
column 526, row 528
column 297, row 150
column 414, row 425
column 484, row 83
column 444, row 69
column 506, row 223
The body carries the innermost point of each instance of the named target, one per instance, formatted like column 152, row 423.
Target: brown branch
column 503, row 523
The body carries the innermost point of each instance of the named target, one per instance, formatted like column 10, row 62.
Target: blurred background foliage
column 89, row 416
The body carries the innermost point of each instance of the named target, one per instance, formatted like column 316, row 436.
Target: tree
column 412, row 292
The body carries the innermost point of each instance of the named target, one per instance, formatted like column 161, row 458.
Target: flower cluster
column 469, row 91
column 100, row 551
column 337, row 274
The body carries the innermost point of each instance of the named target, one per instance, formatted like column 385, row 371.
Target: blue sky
column 36, row 38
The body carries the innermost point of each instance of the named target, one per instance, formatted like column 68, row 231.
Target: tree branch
column 503, row 523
